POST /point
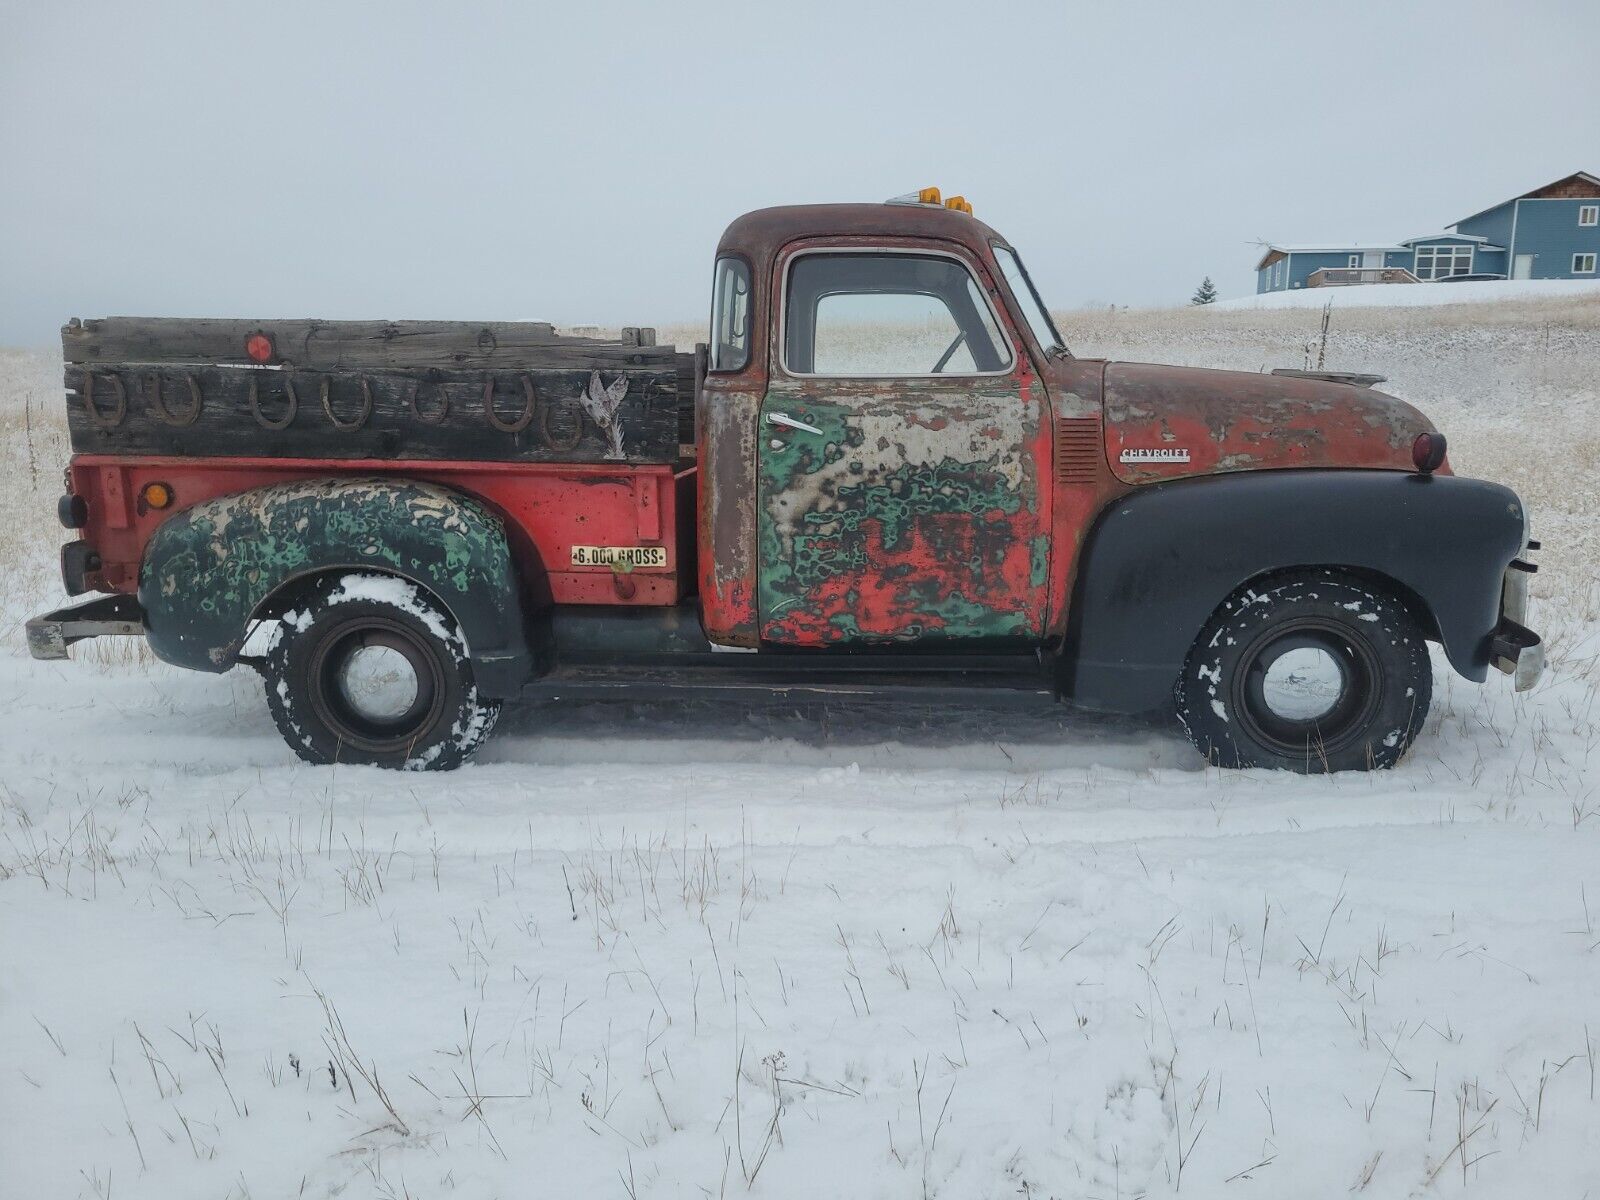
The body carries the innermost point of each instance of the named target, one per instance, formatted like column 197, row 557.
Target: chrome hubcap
column 1302, row 684
column 378, row 683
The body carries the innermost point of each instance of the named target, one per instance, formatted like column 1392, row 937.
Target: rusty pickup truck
column 883, row 475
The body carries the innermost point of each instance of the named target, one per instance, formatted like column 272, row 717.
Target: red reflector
column 1427, row 452
column 259, row 347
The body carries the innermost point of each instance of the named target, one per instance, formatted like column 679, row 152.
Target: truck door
column 904, row 454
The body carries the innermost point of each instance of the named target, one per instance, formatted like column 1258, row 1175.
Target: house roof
column 1276, row 248
column 1482, row 242
column 1578, row 185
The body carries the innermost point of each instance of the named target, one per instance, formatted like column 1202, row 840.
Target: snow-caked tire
column 1314, row 671
column 370, row 669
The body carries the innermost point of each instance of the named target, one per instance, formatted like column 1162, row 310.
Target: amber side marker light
column 157, row 495
column 1427, row 452
column 258, row 348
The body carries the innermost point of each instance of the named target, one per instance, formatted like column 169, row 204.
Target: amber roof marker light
column 931, row 197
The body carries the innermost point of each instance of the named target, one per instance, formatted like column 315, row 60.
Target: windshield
column 1033, row 310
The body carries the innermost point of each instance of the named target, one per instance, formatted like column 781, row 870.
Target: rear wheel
column 370, row 669
column 1311, row 672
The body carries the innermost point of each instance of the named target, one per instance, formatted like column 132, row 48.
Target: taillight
column 258, row 347
column 1427, row 452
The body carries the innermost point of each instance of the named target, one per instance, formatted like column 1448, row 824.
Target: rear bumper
column 107, row 616
column 1516, row 650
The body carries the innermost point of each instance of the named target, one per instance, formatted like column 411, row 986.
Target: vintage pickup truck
column 884, row 476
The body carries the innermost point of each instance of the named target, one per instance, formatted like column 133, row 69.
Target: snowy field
column 699, row 950
column 1394, row 295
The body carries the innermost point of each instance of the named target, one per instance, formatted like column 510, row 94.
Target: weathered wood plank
column 431, row 414
column 357, row 345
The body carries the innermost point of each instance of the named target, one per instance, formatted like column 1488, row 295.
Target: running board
column 625, row 653
column 1025, row 684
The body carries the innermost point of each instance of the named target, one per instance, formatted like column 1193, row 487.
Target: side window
column 730, row 316
column 880, row 314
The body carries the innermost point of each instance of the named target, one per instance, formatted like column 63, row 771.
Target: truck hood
column 1172, row 422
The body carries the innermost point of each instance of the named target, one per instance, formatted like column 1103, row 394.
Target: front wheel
column 1310, row 672
column 370, row 669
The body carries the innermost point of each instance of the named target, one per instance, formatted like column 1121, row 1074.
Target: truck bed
column 412, row 390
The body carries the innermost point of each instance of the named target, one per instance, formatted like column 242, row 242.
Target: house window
column 1355, row 261
column 1589, row 214
column 1583, row 264
column 1441, row 262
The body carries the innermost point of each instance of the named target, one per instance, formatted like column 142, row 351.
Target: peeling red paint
column 1222, row 421
column 548, row 508
column 952, row 559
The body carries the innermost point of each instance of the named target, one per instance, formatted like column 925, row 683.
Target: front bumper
column 1516, row 649
column 107, row 616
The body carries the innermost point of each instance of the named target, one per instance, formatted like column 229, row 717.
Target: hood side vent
column 1080, row 450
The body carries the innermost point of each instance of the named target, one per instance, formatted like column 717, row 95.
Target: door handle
column 788, row 422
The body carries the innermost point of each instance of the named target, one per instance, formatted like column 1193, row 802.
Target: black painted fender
column 1158, row 562
column 212, row 570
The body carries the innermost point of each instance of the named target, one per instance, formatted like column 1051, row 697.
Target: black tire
column 370, row 669
column 1361, row 693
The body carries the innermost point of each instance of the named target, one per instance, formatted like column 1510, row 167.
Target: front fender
column 209, row 571
column 1160, row 560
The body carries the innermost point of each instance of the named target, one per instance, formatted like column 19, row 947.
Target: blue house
column 1552, row 232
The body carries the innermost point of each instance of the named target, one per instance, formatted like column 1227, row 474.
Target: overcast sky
column 576, row 163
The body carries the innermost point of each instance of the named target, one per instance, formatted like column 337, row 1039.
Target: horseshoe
column 549, row 438
column 366, row 408
column 500, row 423
column 288, row 416
column 159, row 407
column 437, row 417
column 99, row 418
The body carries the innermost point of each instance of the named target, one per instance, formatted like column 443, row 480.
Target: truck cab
column 900, row 479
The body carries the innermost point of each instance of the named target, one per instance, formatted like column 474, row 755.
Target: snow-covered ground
column 704, row 950
column 1393, row 295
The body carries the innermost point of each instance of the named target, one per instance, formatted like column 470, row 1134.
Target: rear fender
column 1159, row 561
column 213, row 570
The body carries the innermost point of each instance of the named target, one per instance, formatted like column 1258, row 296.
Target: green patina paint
column 831, row 545
column 208, row 568
column 854, row 532
column 1039, row 562
column 902, row 496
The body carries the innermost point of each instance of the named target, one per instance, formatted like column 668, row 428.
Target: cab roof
column 760, row 234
